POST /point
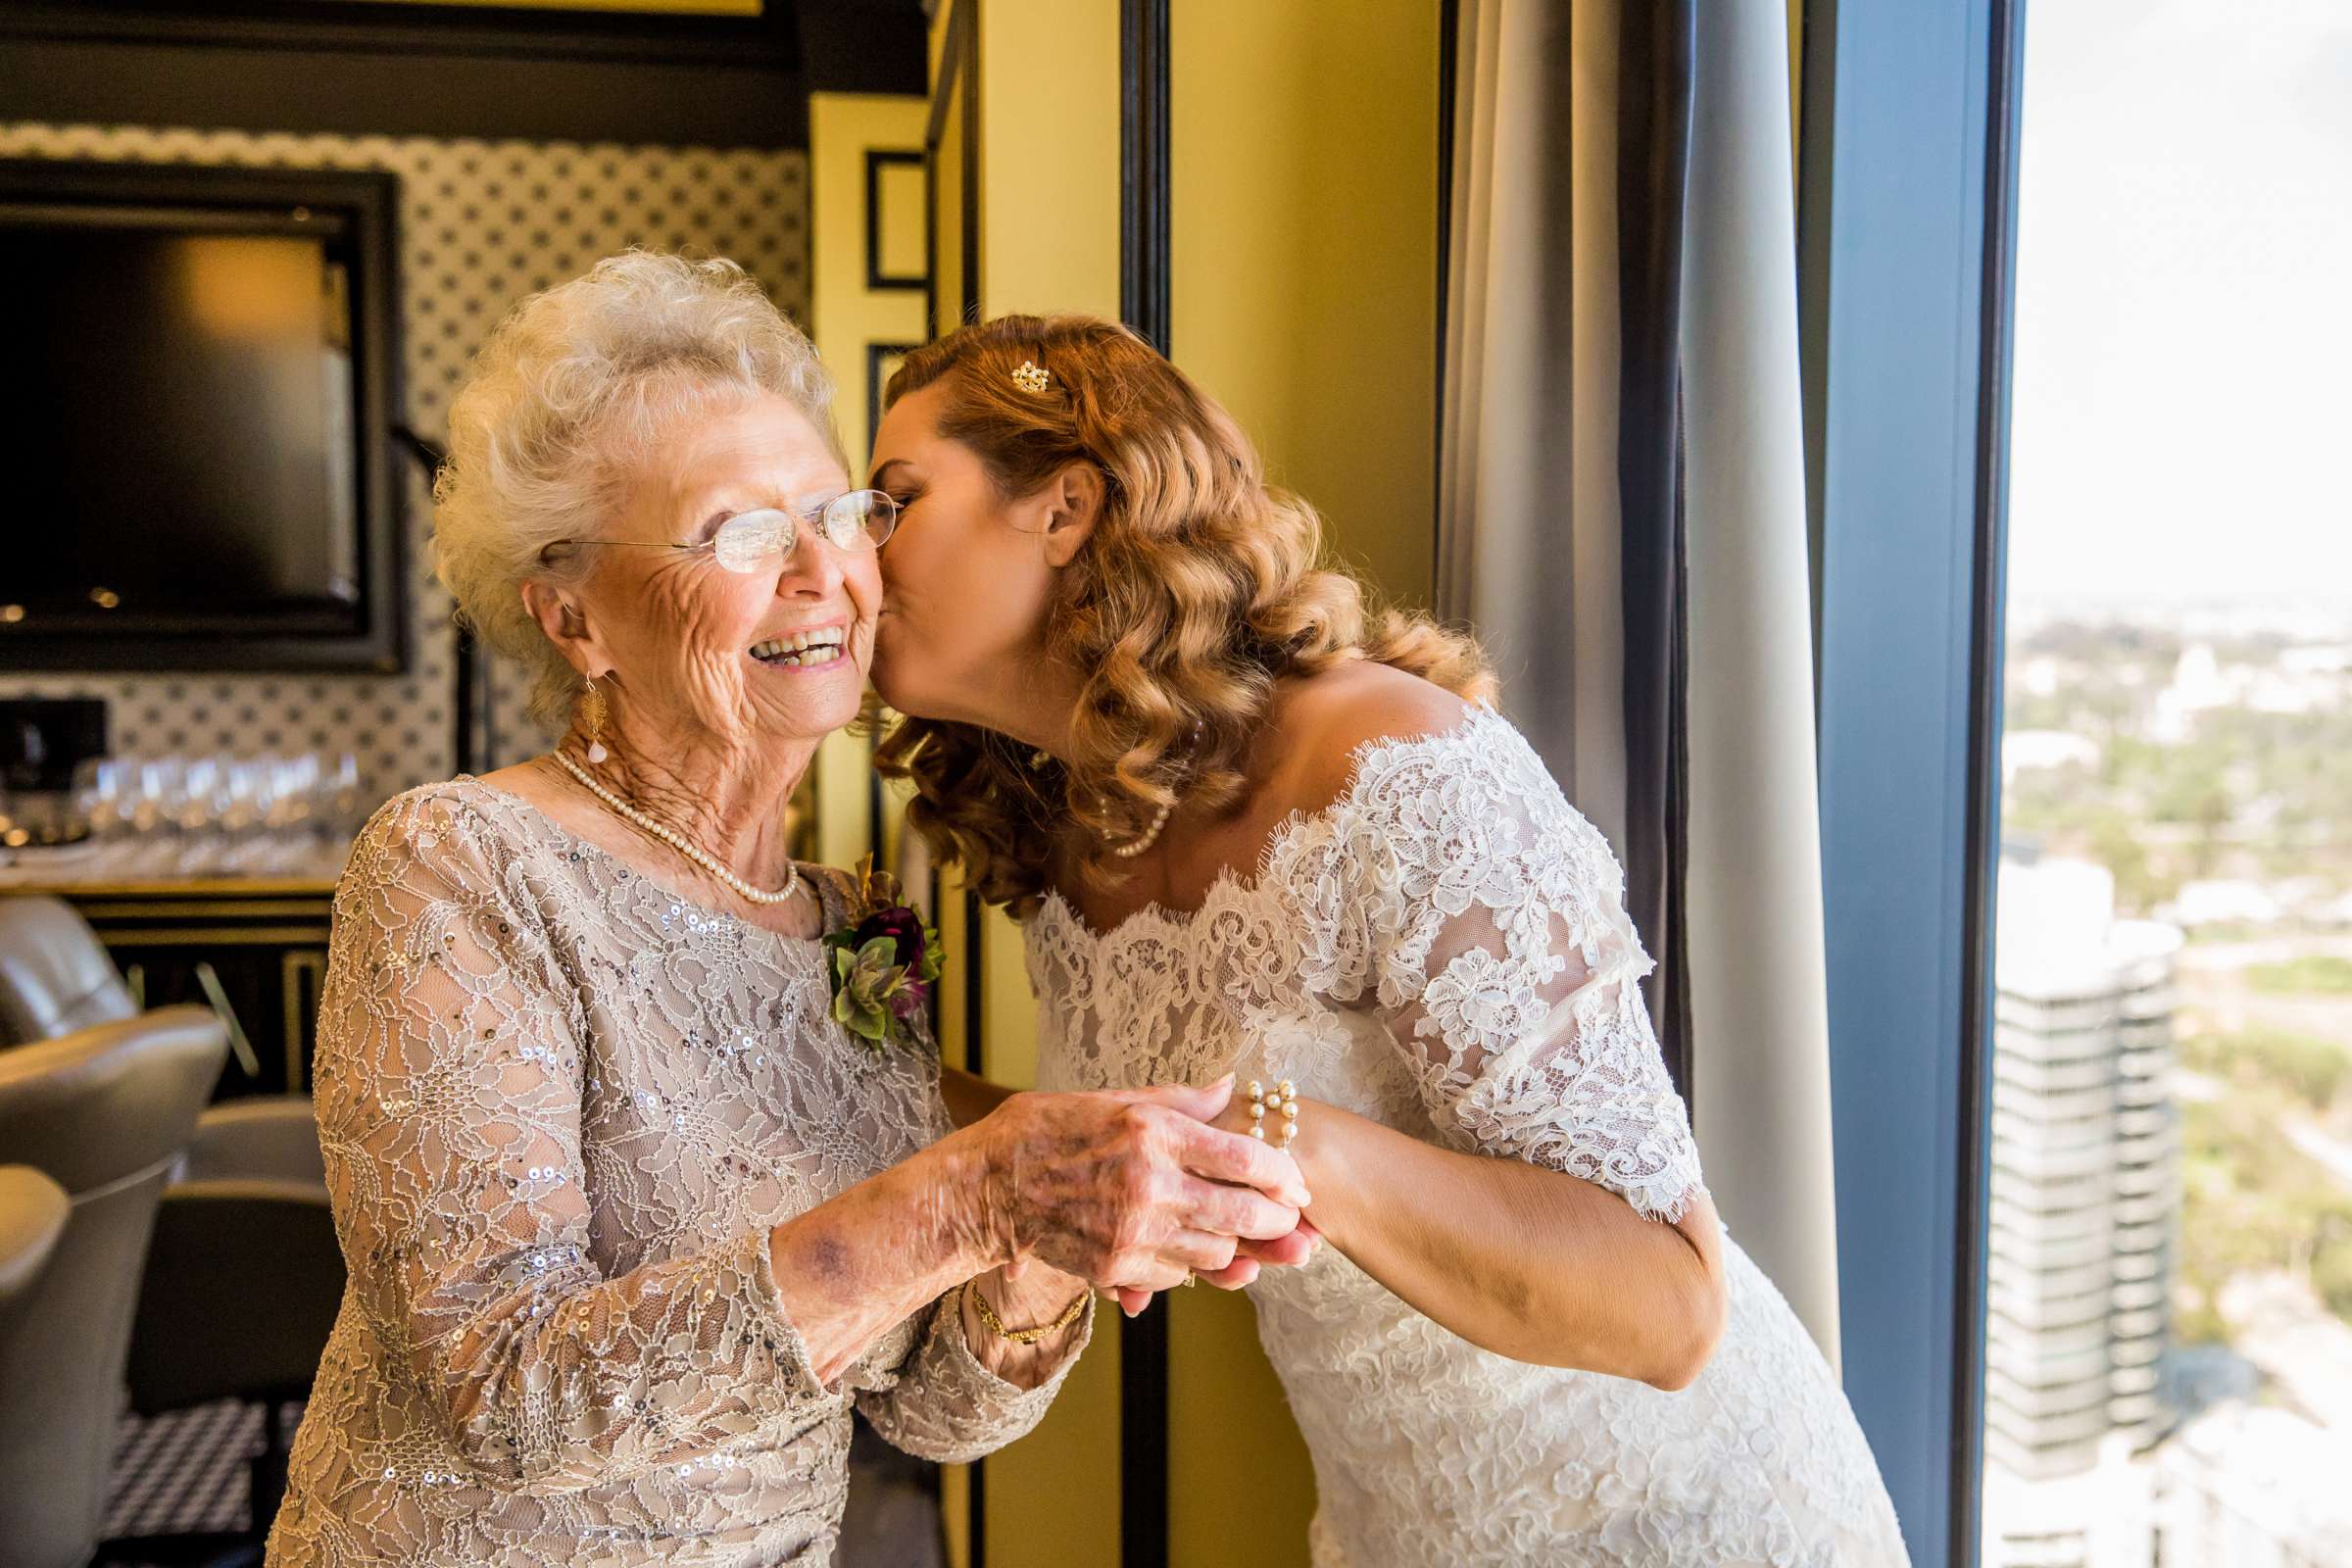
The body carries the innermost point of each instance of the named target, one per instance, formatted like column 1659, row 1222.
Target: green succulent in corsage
column 884, row 963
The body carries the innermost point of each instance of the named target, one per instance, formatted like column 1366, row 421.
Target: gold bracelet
column 996, row 1324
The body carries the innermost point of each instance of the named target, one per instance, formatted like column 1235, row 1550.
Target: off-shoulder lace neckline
column 816, row 876
column 1154, row 918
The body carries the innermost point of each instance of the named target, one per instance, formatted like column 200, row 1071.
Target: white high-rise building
column 2083, row 1204
column 2250, row 1486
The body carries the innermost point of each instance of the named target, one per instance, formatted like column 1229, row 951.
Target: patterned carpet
column 188, row 1472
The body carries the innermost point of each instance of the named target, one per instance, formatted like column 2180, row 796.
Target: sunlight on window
column 2169, row 1329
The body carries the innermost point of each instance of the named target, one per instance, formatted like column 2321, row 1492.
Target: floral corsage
column 884, row 961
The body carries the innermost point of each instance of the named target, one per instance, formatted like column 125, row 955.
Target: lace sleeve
column 1458, row 890
column 449, row 1089
column 941, row 1403
column 944, row 1405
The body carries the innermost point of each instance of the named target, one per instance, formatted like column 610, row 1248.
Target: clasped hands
column 1134, row 1191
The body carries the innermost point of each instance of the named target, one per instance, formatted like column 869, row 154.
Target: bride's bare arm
column 1559, row 1215
column 1527, row 1262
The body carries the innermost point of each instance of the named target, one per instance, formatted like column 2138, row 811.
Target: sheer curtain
column 1622, row 520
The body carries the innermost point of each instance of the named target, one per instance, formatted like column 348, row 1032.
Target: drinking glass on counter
column 162, row 817
column 102, row 796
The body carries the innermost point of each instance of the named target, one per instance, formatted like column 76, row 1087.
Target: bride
column 1248, row 830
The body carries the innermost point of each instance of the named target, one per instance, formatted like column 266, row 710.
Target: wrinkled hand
column 1250, row 1255
column 1132, row 1191
column 1283, row 1251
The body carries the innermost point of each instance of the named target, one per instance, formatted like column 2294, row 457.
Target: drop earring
column 593, row 716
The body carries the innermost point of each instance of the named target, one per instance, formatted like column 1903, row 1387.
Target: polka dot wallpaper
column 482, row 223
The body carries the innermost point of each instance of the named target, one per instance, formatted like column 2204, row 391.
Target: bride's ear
column 1073, row 500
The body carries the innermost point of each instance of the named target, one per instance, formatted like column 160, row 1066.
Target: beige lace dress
column 561, row 1108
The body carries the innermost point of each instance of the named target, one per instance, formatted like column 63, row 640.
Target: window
column 2168, row 1288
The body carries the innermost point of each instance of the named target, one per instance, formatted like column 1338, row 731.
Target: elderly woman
column 631, row 1221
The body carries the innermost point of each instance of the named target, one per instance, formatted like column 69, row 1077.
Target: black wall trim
column 878, row 158
column 352, row 68
column 1144, row 191
column 838, row 45
column 381, row 92
column 876, row 356
column 968, row 306
column 1449, row 45
column 863, row 45
column 1989, row 551
column 958, row 66
column 335, row 26
column 1144, row 304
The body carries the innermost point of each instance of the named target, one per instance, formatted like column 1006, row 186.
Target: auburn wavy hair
column 1200, row 586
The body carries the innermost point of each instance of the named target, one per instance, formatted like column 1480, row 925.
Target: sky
column 2181, row 415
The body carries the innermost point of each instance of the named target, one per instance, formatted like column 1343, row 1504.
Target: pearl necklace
column 1151, row 836
column 679, row 842
column 1134, row 847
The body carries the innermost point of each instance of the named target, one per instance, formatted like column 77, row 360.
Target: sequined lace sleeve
column 1454, row 886
column 449, row 1088
column 943, row 1405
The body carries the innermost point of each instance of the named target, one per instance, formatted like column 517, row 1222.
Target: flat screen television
column 200, row 371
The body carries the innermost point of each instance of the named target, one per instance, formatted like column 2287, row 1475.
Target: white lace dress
column 562, row 1108
column 1444, row 950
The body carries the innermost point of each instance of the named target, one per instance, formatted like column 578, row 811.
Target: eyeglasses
column 862, row 519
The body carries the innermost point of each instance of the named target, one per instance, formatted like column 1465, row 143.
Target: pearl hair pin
column 679, row 842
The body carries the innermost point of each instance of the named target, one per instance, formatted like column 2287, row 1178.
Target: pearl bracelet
column 1284, row 1103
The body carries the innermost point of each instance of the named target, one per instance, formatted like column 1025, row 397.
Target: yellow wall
column 1046, row 164
column 1050, row 170
column 845, row 316
column 953, row 167
column 1303, row 232
column 1047, row 167
column 1306, row 252
column 1304, row 295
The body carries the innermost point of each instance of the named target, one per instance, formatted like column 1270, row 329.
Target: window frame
column 1906, row 246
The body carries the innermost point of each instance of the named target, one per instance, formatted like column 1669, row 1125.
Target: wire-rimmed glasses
column 860, row 520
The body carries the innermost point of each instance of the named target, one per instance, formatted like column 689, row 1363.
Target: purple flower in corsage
column 884, row 963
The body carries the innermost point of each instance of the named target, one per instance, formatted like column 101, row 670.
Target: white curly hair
column 559, row 408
